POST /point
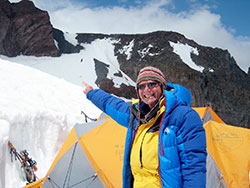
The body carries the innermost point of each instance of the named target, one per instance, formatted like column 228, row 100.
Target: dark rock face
column 26, row 30
column 222, row 83
column 108, row 85
column 226, row 87
column 64, row 46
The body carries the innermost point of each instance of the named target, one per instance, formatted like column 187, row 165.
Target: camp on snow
column 92, row 155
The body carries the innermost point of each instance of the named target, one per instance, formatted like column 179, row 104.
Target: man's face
column 150, row 92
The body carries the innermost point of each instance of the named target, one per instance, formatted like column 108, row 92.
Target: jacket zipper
column 141, row 166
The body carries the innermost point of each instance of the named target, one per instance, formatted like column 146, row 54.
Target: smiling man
column 165, row 143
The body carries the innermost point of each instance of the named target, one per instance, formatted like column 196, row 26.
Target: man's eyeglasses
column 150, row 85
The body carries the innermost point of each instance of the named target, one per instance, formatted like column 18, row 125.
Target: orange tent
column 92, row 155
column 89, row 157
column 229, row 146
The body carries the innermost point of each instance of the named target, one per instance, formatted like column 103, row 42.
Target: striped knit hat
column 151, row 73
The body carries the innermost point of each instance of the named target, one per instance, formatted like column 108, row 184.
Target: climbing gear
column 28, row 165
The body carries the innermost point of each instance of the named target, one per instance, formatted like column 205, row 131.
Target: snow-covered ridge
column 79, row 67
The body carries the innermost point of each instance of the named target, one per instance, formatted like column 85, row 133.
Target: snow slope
column 37, row 111
column 78, row 67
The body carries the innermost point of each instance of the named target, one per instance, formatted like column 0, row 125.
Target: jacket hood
column 176, row 95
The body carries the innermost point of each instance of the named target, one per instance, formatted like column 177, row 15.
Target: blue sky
column 234, row 14
column 215, row 23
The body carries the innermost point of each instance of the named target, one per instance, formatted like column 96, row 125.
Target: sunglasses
column 150, row 85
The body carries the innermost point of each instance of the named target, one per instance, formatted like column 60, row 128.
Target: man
column 165, row 143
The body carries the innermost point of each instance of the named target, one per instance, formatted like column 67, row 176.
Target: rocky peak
column 25, row 29
column 221, row 83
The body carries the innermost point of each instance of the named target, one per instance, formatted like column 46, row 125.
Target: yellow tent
column 229, row 146
column 92, row 155
column 89, row 157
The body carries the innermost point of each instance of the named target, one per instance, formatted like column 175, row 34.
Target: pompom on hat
column 151, row 73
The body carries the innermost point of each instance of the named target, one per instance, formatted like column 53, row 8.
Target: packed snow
column 146, row 51
column 127, row 49
column 37, row 112
column 71, row 38
column 41, row 99
column 185, row 51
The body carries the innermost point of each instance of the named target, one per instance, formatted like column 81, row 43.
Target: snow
column 145, row 51
column 184, row 51
column 76, row 67
column 103, row 50
column 211, row 70
column 127, row 49
column 37, row 112
column 71, row 38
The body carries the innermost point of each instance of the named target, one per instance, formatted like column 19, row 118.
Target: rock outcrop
column 25, row 29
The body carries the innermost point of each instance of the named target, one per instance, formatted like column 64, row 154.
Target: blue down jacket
column 182, row 140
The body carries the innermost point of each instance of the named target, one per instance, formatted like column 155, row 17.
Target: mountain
column 217, row 80
column 211, row 74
